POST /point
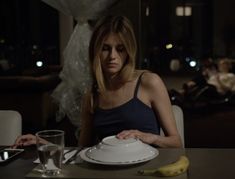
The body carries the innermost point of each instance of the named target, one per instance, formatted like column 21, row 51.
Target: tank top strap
column 137, row 85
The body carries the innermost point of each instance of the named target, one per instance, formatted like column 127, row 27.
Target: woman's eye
column 105, row 48
column 120, row 48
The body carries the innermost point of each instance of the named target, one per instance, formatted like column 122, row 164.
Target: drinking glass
column 50, row 147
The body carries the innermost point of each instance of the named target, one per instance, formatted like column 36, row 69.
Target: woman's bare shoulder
column 150, row 79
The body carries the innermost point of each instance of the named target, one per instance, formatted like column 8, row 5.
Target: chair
column 10, row 127
column 179, row 118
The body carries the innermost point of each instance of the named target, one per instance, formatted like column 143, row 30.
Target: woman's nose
column 113, row 53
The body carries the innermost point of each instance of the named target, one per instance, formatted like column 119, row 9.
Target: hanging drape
column 75, row 74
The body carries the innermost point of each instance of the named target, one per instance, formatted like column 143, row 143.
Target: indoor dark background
column 30, row 32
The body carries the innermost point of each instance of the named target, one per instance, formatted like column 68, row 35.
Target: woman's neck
column 113, row 82
column 116, row 81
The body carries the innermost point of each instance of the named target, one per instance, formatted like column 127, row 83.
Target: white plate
column 84, row 157
column 114, row 150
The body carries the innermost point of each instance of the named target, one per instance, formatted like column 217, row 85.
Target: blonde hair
column 122, row 27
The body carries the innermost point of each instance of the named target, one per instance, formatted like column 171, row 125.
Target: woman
column 124, row 101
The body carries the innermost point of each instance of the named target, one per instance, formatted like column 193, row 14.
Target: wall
column 224, row 28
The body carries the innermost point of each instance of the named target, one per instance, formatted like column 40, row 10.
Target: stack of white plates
column 114, row 151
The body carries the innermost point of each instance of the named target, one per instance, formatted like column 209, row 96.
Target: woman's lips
column 111, row 65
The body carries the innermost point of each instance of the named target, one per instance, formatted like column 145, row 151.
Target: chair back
column 179, row 118
column 10, row 127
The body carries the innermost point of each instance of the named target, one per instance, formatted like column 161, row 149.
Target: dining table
column 205, row 163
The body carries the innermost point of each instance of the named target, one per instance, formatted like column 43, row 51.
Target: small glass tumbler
column 50, row 147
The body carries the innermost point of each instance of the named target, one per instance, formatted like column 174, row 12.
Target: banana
column 176, row 168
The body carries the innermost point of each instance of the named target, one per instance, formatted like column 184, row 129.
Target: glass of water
column 50, row 146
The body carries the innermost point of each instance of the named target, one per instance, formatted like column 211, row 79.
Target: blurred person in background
column 192, row 88
column 224, row 79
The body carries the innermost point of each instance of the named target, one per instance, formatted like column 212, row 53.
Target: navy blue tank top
column 133, row 114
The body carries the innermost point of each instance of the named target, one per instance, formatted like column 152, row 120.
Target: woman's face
column 223, row 66
column 113, row 55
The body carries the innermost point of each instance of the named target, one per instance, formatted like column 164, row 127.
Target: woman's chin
column 112, row 72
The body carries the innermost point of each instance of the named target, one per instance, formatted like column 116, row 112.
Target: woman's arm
column 24, row 140
column 160, row 103
column 154, row 94
column 27, row 140
column 226, row 82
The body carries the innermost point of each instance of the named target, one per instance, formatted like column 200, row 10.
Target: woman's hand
column 144, row 137
column 25, row 140
column 152, row 139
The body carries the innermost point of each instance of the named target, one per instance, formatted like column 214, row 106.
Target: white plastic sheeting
column 75, row 74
